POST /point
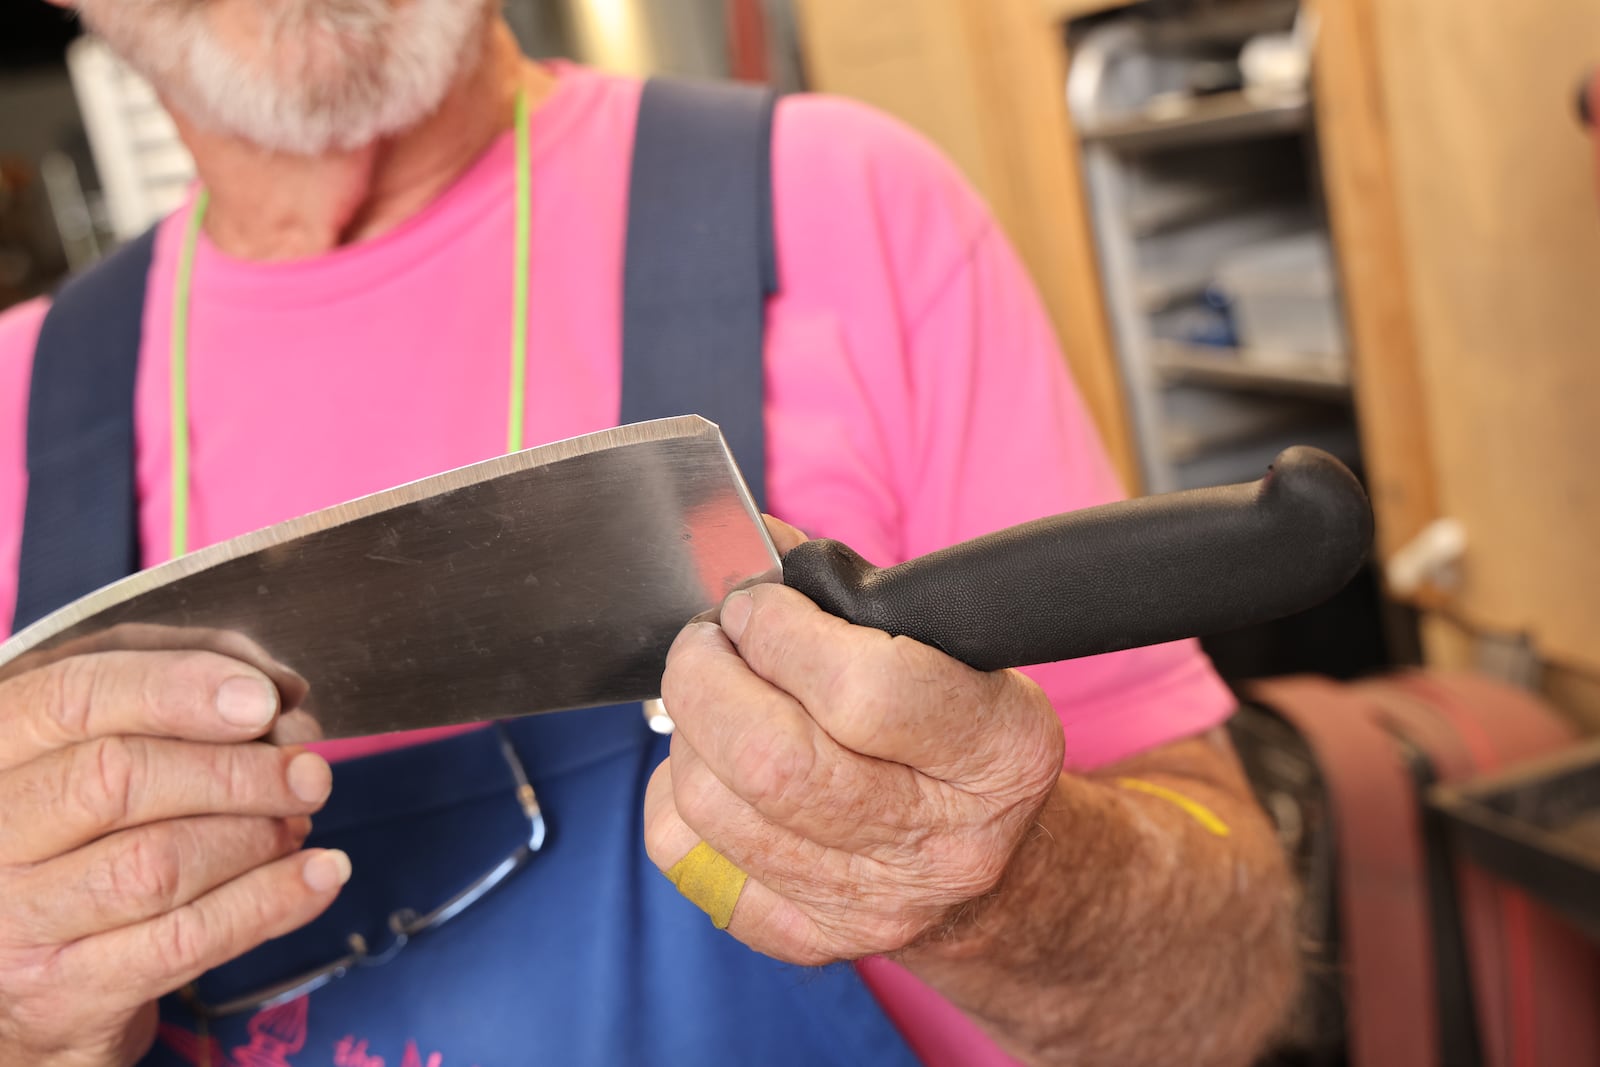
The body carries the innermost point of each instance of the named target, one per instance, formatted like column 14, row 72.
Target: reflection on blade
column 549, row 579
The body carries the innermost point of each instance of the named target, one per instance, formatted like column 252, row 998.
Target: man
column 344, row 324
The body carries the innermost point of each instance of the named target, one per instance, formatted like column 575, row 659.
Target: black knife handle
column 1121, row 575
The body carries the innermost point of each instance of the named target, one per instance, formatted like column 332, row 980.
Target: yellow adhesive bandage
column 1193, row 808
column 711, row 883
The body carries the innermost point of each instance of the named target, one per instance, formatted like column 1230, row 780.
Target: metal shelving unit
column 1186, row 173
column 1177, row 120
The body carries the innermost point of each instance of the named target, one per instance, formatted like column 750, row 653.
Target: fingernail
column 327, row 870
column 736, row 613
column 250, row 702
column 310, row 777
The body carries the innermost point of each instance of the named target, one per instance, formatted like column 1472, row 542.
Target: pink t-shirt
column 915, row 395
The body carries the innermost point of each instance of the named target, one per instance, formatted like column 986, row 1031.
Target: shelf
column 1244, row 461
column 1200, row 204
column 1158, row 289
column 1175, row 122
column 1232, row 369
column 1192, row 444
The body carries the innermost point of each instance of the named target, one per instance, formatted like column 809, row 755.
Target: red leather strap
column 1536, row 983
column 1383, row 905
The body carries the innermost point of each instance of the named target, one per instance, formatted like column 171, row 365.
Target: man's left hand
column 869, row 786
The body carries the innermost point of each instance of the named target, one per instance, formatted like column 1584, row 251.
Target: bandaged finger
column 710, row 882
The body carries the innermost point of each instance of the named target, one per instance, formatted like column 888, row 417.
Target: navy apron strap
column 701, row 262
column 81, row 529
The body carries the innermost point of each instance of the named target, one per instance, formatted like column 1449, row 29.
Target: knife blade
column 551, row 578
column 557, row 578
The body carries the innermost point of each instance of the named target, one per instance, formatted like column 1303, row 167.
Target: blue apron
column 588, row 955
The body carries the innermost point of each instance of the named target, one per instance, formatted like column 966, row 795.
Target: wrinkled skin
column 146, row 836
column 870, row 786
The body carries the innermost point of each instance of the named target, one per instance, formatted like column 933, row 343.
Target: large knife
column 557, row 578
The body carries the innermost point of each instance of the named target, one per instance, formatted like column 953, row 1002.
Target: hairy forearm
column 1125, row 932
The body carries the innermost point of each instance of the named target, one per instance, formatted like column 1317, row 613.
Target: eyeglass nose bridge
column 402, row 923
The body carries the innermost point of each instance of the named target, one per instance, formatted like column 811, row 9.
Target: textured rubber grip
column 1121, row 575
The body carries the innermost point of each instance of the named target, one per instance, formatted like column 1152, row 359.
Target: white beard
column 317, row 76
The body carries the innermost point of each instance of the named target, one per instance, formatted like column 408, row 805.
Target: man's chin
column 324, row 76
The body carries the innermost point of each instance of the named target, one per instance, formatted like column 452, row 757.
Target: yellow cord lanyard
column 184, row 287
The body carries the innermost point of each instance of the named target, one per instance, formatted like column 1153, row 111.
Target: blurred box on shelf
column 1285, row 300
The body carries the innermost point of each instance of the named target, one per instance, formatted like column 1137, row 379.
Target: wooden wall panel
column 1501, row 234
column 1363, row 204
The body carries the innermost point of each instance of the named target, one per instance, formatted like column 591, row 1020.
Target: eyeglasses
column 405, row 924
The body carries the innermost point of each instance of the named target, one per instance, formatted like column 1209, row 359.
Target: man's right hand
column 146, row 836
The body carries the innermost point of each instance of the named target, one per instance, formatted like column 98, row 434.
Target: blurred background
column 1367, row 225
